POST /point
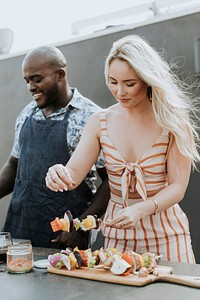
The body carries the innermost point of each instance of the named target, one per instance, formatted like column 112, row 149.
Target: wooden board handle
column 193, row 281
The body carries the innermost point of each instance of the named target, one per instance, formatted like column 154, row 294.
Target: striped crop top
column 145, row 176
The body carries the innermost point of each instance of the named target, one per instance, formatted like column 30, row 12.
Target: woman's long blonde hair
column 172, row 104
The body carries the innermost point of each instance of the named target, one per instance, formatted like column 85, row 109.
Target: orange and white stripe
column 166, row 233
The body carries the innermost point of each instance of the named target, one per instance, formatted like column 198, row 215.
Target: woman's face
column 127, row 88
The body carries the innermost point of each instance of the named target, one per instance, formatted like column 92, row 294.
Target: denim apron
column 33, row 206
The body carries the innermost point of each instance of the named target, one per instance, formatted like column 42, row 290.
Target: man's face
column 42, row 82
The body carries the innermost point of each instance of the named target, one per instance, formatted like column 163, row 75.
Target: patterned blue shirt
column 82, row 109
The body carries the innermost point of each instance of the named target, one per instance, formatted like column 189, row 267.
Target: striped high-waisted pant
column 166, row 234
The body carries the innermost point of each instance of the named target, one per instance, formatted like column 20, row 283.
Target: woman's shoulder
column 104, row 113
column 110, row 110
column 107, row 110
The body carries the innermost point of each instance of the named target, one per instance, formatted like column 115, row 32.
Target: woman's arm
column 68, row 177
column 178, row 173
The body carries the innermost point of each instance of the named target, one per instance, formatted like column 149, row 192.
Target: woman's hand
column 58, row 178
column 126, row 217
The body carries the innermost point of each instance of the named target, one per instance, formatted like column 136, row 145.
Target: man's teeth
column 36, row 96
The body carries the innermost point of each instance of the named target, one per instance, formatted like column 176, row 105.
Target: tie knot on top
column 133, row 180
column 131, row 167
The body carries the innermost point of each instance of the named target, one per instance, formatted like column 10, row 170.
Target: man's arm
column 97, row 207
column 100, row 198
column 7, row 176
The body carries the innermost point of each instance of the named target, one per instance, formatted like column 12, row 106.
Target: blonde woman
column 149, row 143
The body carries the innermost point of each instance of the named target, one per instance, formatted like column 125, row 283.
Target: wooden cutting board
column 134, row 280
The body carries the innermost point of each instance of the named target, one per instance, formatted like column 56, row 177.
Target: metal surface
column 39, row 284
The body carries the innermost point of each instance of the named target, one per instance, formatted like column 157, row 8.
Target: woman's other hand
column 128, row 216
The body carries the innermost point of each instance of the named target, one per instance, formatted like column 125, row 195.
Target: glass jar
column 19, row 258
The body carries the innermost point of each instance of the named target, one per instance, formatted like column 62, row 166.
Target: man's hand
column 73, row 239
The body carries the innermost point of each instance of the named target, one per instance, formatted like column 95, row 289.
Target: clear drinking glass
column 5, row 241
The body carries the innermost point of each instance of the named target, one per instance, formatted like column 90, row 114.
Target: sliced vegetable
column 110, row 259
column 79, row 259
column 149, row 260
column 69, row 220
column 77, row 223
column 84, row 258
column 68, row 223
column 129, row 260
column 119, row 266
column 137, row 259
column 55, row 260
column 143, row 272
column 56, row 225
column 89, row 223
column 73, row 260
column 66, row 261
